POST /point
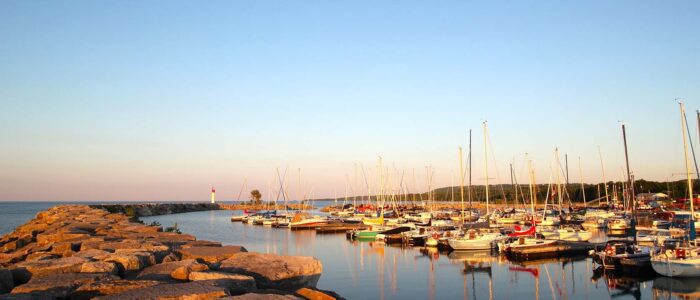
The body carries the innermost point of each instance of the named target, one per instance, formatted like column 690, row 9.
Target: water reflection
column 686, row 288
column 373, row 270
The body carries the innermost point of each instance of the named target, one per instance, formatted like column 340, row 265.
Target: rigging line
column 281, row 190
column 566, row 190
column 495, row 164
column 692, row 149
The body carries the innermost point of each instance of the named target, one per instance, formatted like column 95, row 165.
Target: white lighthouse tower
column 213, row 195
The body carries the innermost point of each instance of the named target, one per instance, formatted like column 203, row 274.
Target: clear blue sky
column 159, row 100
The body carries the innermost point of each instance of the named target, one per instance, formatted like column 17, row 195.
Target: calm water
column 370, row 270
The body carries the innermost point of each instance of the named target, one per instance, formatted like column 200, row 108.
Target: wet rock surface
column 82, row 252
column 275, row 271
column 211, row 254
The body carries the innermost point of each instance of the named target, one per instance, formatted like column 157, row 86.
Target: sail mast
column 532, row 190
column 486, row 168
column 605, row 183
column 630, row 193
column 688, row 172
column 461, row 183
column 469, row 190
column 583, row 190
column 512, row 184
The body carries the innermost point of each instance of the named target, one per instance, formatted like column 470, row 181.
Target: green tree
column 255, row 196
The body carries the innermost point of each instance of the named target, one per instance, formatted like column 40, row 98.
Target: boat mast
column 630, row 186
column 245, row 181
column 300, row 194
column 469, row 190
column 512, row 184
column 605, row 183
column 583, row 190
column 533, row 198
column 691, row 225
column 486, row 168
column 559, row 189
column 461, row 183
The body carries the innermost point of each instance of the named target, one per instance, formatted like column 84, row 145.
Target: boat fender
column 680, row 253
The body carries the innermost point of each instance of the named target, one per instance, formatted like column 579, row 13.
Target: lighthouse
column 213, row 195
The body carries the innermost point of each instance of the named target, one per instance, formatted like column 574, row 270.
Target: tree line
column 502, row 193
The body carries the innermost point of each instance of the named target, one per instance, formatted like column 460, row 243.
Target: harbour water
column 372, row 270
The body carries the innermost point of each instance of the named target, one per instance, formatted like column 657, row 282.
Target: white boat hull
column 484, row 242
column 676, row 267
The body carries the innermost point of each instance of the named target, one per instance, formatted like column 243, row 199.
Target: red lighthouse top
column 213, row 190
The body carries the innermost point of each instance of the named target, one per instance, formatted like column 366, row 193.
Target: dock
column 339, row 229
column 559, row 249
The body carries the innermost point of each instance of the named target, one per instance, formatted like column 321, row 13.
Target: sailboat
column 303, row 220
column 474, row 239
column 244, row 216
column 572, row 234
column 524, row 239
column 624, row 254
column 681, row 261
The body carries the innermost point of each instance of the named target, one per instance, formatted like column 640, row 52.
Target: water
column 370, row 270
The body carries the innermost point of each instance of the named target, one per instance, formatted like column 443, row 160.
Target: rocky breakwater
column 79, row 252
column 156, row 209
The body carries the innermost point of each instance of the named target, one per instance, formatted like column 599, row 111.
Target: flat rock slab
column 164, row 271
column 261, row 296
column 99, row 267
column 278, row 272
column 37, row 268
column 102, row 288
column 237, row 284
column 211, row 254
column 190, row 290
column 312, row 294
column 200, row 243
column 60, row 285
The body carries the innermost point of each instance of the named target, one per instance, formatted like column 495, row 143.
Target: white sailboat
column 475, row 239
column 681, row 261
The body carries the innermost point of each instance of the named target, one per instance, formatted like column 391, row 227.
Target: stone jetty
column 157, row 209
column 81, row 252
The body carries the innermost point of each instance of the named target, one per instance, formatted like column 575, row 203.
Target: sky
column 161, row 100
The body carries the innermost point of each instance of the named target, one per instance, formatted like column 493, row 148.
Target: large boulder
column 190, row 290
column 211, row 254
column 130, row 262
column 37, row 268
column 59, row 285
column 183, row 273
column 171, row 270
column 275, row 271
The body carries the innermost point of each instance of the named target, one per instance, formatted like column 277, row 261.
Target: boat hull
column 676, row 267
